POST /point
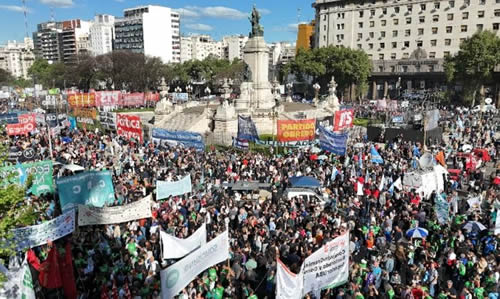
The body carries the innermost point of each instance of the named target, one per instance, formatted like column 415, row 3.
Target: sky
column 215, row 17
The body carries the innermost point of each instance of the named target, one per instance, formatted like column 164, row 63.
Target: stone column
column 386, row 88
column 374, row 90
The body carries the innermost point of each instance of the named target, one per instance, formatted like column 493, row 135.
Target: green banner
column 54, row 91
column 42, row 176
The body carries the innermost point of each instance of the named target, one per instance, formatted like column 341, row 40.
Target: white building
column 199, row 47
column 233, row 46
column 152, row 30
column 17, row 58
column 102, row 34
column 281, row 53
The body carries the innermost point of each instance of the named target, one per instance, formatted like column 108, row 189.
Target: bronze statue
column 257, row 29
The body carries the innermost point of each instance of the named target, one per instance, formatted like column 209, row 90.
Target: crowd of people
column 124, row 260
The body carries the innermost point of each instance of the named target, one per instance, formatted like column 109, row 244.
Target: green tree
column 5, row 76
column 474, row 63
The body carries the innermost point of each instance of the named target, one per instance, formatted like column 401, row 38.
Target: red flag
column 104, row 292
column 50, row 274
column 68, row 277
column 115, row 290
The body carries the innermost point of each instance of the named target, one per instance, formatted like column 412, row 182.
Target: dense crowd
column 452, row 261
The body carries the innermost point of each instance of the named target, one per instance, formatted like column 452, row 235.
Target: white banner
column 175, row 248
column 288, row 285
column 328, row 267
column 497, row 223
column 19, row 282
column 176, row 277
column 36, row 235
column 140, row 209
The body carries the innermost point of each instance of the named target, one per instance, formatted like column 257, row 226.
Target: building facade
column 46, row 41
column 151, row 30
column 17, row 58
column 233, row 46
column 102, row 34
column 305, row 34
column 406, row 40
column 199, row 47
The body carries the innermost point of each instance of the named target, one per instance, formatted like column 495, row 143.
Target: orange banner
column 296, row 130
column 81, row 100
column 87, row 113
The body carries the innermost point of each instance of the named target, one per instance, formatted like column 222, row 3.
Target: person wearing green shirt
column 479, row 292
column 218, row 291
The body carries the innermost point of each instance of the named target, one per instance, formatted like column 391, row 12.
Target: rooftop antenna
column 25, row 18
column 52, row 14
column 299, row 10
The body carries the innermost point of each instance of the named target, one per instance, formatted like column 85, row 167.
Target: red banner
column 81, row 100
column 20, row 128
column 343, row 119
column 129, row 126
column 107, row 98
column 151, row 97
column 132, row 99
column 296, row 130
column 27, row 118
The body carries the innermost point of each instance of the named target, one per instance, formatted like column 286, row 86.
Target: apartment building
column 199, row 47
column 152, row 30
column 102, row 34
column 46, row 41
column 17, row 58
column 233, row 46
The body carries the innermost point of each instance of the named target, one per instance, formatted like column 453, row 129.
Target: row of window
column 406, row 44
column 406, row 55
column 404, row 68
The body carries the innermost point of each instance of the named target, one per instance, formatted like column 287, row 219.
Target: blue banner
column 167, row 189
column 240, row 144
column 9, row 118
column 72, row 123
column 93, row 188
column 376, row 157
column 333, row 142
column 247, row 129
column 186, row 139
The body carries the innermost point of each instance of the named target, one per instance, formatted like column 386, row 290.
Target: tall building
column 199, row 47
column 46, row 41
column 305, row 34
column 406, row 40
column 102, row 34
column 233, row 46
column 152, row 30
column 17, row 58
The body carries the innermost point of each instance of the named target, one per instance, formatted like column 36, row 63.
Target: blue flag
column 333, row 142
column 247, row 129
column 376, row 158
column 416, row 151
column 334, row 173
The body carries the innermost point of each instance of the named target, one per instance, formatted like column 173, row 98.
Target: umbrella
column 474, row 226
column 417, row 232
column 322, row 157
column 251, row 264
column 315, row 150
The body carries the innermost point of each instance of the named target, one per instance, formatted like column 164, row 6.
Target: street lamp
column 289, row 87
column 207, row 94
column 189, row 89
column 316, row 87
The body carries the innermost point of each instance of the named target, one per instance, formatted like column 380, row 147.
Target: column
column 374, row 90
column 386, row 88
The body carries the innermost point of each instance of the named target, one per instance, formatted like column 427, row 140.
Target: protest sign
column 107, row 98
column 175, row 248
column 20, row 128
column 332, row 141
column 36, row 235
column 20, row 155
column 27, row 118
column 151, row 97
column 129, row 126
column 179, row 275
column 85, row 120
column 93, row 188
column 166, row 189
column 112, row 215
column 247, row 129
column 132, row 99
column 174, row 138
column 431, row 120
column 343, row 119
column 497, row 223
column 9, row 118
column 85, row 112
column 288, row 285
column 296, row 130
column 81, row 100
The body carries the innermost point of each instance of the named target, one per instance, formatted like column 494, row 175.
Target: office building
column 233, row 46
column 102, row 34
column 199, row 47
column 17, row 57
column 151, row 30
column 305, row 35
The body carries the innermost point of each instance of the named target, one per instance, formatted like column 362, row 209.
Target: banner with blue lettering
column 333, row 142
column 247, row 129
column 94, row 188
column 166, row 189
column 9, row 118
column 183, row 138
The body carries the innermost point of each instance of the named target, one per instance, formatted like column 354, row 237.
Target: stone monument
column 333, row 100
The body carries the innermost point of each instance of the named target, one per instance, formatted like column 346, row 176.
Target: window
column 422, row 7
column 407, row 32
column 394, row 45
column 393, row 68
column 360, row 36
column 360, row 46
column 405, row 67
column 465, row 15
column 381, row 57
column 420, row 43
column 371, row 34
column 480, row 14
column 433, row 42
column 382, row 45
column 434, row 30
column 447, row 42
column 421, row 19
column 372, row 13
column 463, row 28
column 482, row 2
column 461, row 40
column 360, row 24
column 496, row 26
column 435, row 18
column 382, row 33
column 466, row 2
column 393, row 56
column 324, row 38
column 446, row 53
column 394, row 33
column 409, row 8
column 406, row 56
column 361, row 14
column 395, row 21
column 407, row 44
column 383, row 22
column 436, row 5
column 381, row 68
column 452, row 3
column 370, row 46
column 450, row 17
column 449, row 29
column 420, row 31
column 384, row 11
column 408, row 20
column 497, row 12
column 324, row 17
column 372, row 23
column 479, row 27
column 396, row 9
column 432, row 54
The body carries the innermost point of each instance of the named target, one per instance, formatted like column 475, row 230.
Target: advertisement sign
column 36, row 235
column 174, row 138
column 87, row 113
column 107, row 98
column 81, row 100
column 343, row 119
column 20, row 128
column 151, row 97
column 112, row 215
column 296, row 130
column 166, row 189
column 41, row 172
column 93, row 188
column 175, row 248
column 132, row 99
column 129, row 126
column 333, row 142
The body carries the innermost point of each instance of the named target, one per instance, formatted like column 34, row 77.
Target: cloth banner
column 325, row 122
column 497, row 223
column 175, row 248
column 151, row 97
column 376, row 157
column 240, row 144
column 93, row 188
column 431, row 119
column 72, row 123
column 107, row 98
column 85, row 112
column 112, row 215
column 328, row 267
column 20, row 128
column 343, row 119
column 9, row 118
column 296, row 130
column 36, row 235
column 174, row 138
column 42, row 176
column 332, row 141
column 288, row 284
column 442, row 209
column 81, row 100
column 19, row 282
column 247, row 129
column 179, row 275
column 129, row 126
column 132, row 99
column 27, row 118
column 166, row 189
column 17, row 154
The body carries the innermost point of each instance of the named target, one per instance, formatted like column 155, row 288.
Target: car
column 307, row 194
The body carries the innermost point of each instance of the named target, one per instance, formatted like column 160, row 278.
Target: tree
column 5, row 76
column 474, row 63
column 82, row 73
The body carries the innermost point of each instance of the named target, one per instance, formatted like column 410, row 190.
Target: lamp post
column 189, row 90
column 289, row 87
column 207, row 94
column 398, row 86
column 316, row 87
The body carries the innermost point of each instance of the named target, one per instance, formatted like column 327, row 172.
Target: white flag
column 176, row 277
column 382, row 182
column 360, row 189
column 19, row 282
column 398, row 184
column 497, row 223
column 288, row 284
column 175, row 248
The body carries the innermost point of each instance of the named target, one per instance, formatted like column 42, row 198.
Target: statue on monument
column 247, row 74
column 333, row 100
column 257, row 29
